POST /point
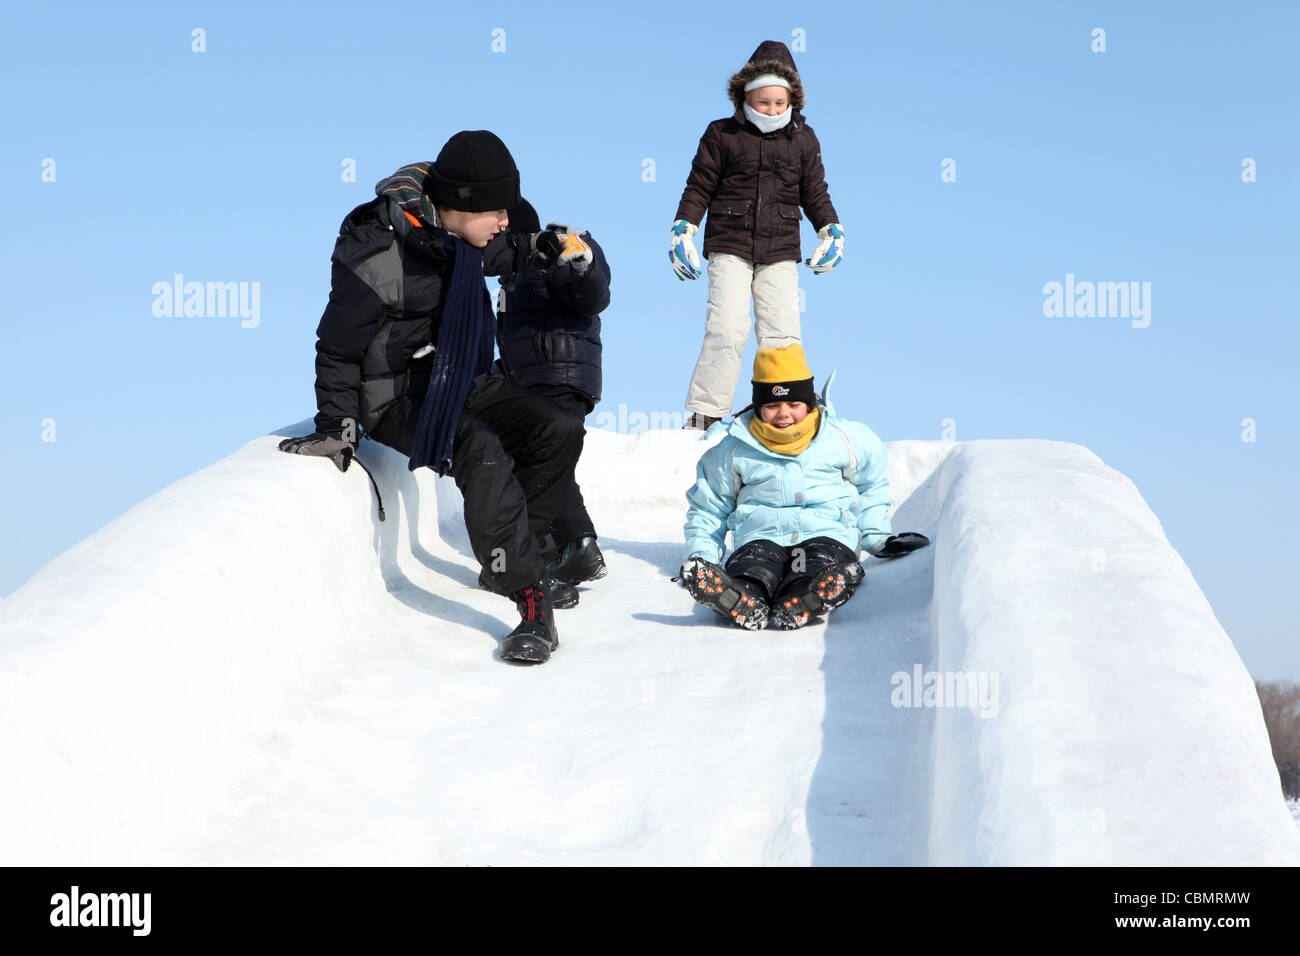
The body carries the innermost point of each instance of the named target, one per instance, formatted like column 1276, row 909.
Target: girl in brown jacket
column 751, row 174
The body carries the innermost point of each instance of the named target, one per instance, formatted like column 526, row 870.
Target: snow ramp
column 250, row 668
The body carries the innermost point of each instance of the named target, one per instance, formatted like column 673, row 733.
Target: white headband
column 767, row 79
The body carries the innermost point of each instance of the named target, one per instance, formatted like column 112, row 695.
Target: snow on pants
column 732, row 280
column 777, row 571
column 512, row 460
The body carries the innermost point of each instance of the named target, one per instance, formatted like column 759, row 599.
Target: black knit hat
column 474, row 173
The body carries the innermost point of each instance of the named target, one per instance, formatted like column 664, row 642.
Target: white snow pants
column 732, row 280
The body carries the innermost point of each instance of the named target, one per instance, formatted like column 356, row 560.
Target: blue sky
column 1117, row 166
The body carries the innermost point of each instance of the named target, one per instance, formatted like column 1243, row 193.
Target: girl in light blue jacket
column 802, row 492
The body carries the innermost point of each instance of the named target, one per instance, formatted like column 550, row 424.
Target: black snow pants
column 512, row 460
column 775, row 572
column 571, row 520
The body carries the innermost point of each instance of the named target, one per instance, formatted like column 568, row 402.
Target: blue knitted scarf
column 464, row 351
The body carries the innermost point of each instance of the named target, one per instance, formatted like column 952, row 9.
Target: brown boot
column 700, row 421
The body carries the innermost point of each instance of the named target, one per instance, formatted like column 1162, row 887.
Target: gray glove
column 325, row 446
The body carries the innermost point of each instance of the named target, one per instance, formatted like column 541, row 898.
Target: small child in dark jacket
column 548, row 333
column 751, row 174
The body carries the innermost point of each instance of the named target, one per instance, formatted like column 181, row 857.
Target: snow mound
column 249, row 667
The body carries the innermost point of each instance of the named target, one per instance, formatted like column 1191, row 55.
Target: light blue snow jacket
column 836, row 488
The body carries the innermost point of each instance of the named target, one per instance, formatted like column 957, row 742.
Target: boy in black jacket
column 404, row 352
column 548, row 332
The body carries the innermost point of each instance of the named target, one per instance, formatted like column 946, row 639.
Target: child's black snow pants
column 777, row 571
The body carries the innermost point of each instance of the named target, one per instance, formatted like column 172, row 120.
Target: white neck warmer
column 765, row 123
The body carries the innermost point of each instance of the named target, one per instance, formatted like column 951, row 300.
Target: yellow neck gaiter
column 786, row 441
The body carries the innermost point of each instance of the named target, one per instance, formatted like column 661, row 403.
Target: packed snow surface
column 250, row 668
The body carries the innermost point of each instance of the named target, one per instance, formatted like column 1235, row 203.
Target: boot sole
column 715, row 591
column 527, row 649
column 581, row 576
column 829, row 590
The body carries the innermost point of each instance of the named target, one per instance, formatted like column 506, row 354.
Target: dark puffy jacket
column 548, row 325
column 388, row 290
column 752, row 184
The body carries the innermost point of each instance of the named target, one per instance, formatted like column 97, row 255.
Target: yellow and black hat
column 782, row 375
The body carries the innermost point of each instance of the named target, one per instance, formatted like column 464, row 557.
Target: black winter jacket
column 388, row 290
column 548, row 325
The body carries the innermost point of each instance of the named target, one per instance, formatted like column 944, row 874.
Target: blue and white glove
column 681, row 251
column 831, row 250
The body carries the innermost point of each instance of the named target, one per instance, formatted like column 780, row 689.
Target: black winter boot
column 734, row 598
column 533, row 640
column 579, row 561
column 827, row 591
column 563, row 596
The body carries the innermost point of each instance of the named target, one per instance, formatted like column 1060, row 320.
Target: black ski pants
column 512, row 460
column 777, row 572
column 571, row 520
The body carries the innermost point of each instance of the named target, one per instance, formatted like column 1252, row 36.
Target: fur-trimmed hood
column 772, row 56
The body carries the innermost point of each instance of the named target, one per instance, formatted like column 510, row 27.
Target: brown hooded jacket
column 751, row 183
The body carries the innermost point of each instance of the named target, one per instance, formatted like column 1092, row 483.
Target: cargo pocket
column 789, row 212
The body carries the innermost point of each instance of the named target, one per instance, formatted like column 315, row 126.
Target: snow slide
column 248, row 667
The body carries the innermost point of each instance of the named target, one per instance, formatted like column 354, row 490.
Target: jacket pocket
column 789, row 212
column 729, row 207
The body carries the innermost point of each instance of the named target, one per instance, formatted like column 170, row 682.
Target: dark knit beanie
column 474, row 173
